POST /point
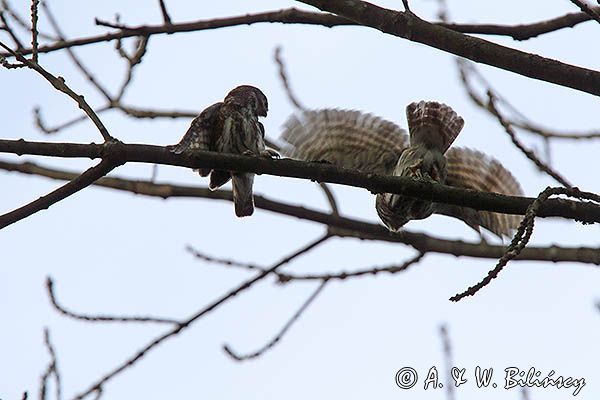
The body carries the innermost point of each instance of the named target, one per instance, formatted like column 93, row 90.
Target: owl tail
column 433, row 124
column 243, row 200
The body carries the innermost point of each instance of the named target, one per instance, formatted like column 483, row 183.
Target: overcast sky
column 118, row 253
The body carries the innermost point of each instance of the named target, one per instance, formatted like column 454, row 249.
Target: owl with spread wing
column 231, row 126
column 355, row 140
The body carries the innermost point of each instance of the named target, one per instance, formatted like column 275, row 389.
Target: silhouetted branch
column 100, row 318
column 523, row 234
column 410, row 27
column 34, row 31
column 60, row 85
column 44, row 202
column 338, row 226
column 51, row 369
column 528, row 153
column 284, row 277
column 284, row 80
column 295, row 16
column 320, row 172
column 523, row 31
column 447, row 346
column 187, row 323
column 164, row 12
column 269, row 345
column 587, row 9
column 466, row 69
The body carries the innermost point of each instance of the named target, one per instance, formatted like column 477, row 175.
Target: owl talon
column 269, row 153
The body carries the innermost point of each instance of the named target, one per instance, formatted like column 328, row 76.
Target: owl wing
column 348, row 139
column 201, row 135
column 471, row 169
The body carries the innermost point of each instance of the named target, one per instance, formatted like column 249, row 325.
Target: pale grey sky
column 118, row 253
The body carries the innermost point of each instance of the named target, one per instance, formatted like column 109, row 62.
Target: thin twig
column 49, row 130
column 187, row 323
column 528, row 153
column 467, row 70
column 34, row 31
column 59, row 84
column 284, row 80
column 140, row 50
column 269, row 345
column 7, row 28
column 78, row 63
column 100, row 318
column 447, row 346
column 51, row 369
column 284, row 277
column 25, row 25
column 165, row 13
column 524, row 233
column 587, row 9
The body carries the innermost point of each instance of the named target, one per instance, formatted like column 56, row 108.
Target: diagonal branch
column 187, row 323
column 271, row 343
column 587, row 9
column 60, row 85
column 82, row 181
column 410, row 27
column 338, row 226
column 528, row 153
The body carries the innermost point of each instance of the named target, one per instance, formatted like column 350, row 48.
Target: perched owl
column 231, row 126
column 355, row 140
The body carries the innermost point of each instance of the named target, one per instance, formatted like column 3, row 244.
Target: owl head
column 249, row 96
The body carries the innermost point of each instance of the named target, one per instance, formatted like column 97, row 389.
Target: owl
column 231, row 126
column 360, row 141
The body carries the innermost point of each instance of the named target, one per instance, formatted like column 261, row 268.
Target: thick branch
column 339, row 226
column 580, row 211
column 409, row 26
column 295, row 16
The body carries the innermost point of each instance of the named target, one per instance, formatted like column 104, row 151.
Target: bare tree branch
column 587, row 9
column 523, row 234
column 447, row 346
column 34, row 31
column 320, row 172
column 60, row 85
column 295, row 16
column 100, row 318
column 528, row 153
column 467, row 69
column 164, row 12
column 187, row 323
column 284, row 80
column 269, row 345
column 51, row 369
column 523, row 31
column 82, row 181
column 284, row 277
column 78, row 63
column 410, row 27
